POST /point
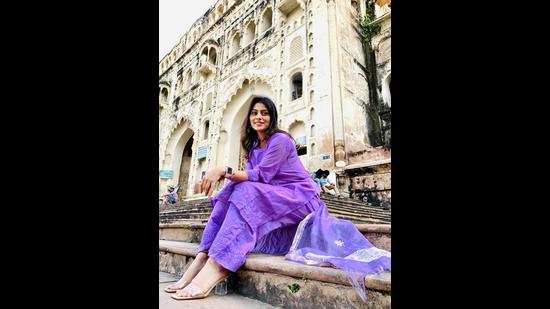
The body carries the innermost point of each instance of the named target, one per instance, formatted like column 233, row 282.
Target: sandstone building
column 332, row 89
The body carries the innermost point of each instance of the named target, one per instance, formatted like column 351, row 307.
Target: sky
column 175, row 18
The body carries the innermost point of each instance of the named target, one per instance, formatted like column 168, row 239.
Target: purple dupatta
column 324, row 240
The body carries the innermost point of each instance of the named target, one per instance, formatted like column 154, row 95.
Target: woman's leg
column 213, row 225
column 210, row 231
column 191, row 272
column 234, row 240
column 206, row 278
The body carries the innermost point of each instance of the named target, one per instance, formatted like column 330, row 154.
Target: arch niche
column 178, row 152
column 229, row 151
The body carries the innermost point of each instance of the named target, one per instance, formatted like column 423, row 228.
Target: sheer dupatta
column 324, row 240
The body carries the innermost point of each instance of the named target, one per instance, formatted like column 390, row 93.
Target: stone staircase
column 356, row 211
column 343, row 208
column 267, row 277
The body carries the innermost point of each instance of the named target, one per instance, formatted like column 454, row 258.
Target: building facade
column 309, row 57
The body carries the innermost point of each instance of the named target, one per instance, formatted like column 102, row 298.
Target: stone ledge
column 367, row 164
column 374, row 228
column 182, row 222
column 368, row 219
column 362, row 227
column 179, row 224
column 336, row 212
column 278, row 265
column 273, row 289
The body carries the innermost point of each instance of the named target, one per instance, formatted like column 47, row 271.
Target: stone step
column 191, row 231
column 267, row 278
column 360, row 218
column 186, row 215
column 172, row 217
column 189, row 212
column 204, row 218
column 366, row 212
column 185, row 205
column 230, row 301
column 344, row 208
column 358, row 213
column 337, row 204
column 169, row 221
column 189, row 208
column 371, row 209
column 347, row 200
column 359, row 210
column 329, row 200
column 324, row 197
column 181, row 216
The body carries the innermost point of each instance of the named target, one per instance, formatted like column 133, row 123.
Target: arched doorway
column 298, row 131
column 178, row 159
column 184, row 168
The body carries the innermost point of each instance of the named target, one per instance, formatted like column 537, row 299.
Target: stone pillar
column 339, row 152
column 336, row 98
column 340, row 159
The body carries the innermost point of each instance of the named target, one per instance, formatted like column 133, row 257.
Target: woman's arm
column 211, row 178
column 238, row 176
column 263, row 172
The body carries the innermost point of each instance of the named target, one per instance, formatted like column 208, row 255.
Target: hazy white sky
column 175, row 18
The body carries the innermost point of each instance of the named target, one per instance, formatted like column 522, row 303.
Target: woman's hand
column 210, row 180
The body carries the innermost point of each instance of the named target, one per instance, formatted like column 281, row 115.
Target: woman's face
column 259, row 117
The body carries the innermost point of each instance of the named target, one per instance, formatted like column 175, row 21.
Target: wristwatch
column 228, row 172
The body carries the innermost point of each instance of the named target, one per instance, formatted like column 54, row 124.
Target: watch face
column 230, row 170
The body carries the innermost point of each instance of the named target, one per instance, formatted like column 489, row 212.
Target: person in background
column 317, row 177
column 328, row 186
column 171, row 197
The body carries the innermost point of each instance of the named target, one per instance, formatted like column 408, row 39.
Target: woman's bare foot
column 190, row 273
column 205, row 279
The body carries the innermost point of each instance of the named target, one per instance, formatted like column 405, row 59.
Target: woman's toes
column 180, row 293
column 184, row 292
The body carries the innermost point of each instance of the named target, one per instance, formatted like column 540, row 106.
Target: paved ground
column 230, row 301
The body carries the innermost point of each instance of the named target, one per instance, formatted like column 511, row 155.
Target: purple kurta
column 277, row 183
column 261, row 214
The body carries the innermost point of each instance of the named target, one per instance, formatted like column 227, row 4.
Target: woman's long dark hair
column 249, row 137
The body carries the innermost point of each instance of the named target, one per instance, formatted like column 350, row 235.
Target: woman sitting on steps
column 260, row 209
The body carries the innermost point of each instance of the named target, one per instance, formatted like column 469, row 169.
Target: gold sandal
column 202, row 293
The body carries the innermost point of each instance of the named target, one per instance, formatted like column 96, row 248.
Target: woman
column 258, row 210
